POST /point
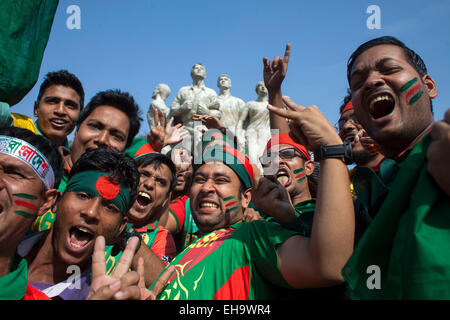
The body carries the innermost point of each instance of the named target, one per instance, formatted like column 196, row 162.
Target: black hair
column 412, row 57
column 63, row 78
column 346, row 99
column 122, row 101
column 48, row 148
column 117, row 164
column 157, row 159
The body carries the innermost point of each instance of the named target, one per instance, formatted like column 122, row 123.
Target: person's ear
column 309, row 167
column 36, row 108
column 123, row 224
column 430, row 86
column 49, row 201
column 246, row 198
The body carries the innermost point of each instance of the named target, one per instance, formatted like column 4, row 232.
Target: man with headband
column 101, row 188
column 235, row 259
column 30, row 168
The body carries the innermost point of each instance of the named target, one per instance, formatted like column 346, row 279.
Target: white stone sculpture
column 193, row 99
column 230, row 107
column 257, row 131
column 159, row 96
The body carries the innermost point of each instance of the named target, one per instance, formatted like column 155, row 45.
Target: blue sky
column 134, row 45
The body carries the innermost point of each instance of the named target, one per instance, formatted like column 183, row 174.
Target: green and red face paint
column 413, row 91
column 231, row 204
column 24, row 201
column 299, row 175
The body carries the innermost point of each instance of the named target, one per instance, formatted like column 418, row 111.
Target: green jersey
column 404, row 253
column 237, row 262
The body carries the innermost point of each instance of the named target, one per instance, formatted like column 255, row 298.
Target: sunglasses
column 285, row 154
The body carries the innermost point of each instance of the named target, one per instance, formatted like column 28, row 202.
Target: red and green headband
column 233, row 158
column 100, row 184
column 284, row 138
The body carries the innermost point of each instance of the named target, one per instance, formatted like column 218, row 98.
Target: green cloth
column 237, row 262
column 101, row 184
column 6, row 120
column 112, row 257
column 407, row 239
column 13, row 286
column 24, row 31
column 189, row 233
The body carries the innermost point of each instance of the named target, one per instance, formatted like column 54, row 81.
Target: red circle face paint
column 107, row 187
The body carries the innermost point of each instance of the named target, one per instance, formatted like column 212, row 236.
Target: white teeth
column 59, row 121
column 145, row 195
column 379, row 98
column 83, row 230
column 208, row 205
column 75, row 245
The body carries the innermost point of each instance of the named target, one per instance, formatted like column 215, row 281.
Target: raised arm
column 318, row 261
column 274, row 73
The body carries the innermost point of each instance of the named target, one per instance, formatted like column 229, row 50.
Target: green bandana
column 99, row 184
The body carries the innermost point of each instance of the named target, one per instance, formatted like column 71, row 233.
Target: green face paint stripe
column 415, row 97
column 301, row 179
column 407, row 85
column 298, row 170
column 26, row 196
column 228, row 198
column 24, row 214
column 231, row 209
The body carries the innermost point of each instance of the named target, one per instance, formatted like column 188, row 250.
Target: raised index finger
column 287, row 53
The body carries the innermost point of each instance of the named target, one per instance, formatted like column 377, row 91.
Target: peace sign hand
column 122, row 283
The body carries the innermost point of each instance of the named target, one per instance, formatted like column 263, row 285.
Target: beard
column 361, row 157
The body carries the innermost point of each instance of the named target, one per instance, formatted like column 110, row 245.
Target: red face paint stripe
column 230, row 204
column 300, row 175
column 413, row 91
column 25, row 204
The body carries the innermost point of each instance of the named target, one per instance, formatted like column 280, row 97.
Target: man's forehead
column 216, row 167
column 347, row 114
column 374, row 55
column 8, row 160
column 162, row 170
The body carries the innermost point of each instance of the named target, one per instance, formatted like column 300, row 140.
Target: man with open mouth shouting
column 101, row 188
column 156, row 182
column 408, row 236
column 235, row 259
column 30, row 170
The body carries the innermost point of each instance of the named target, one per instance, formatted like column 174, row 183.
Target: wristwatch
column 337, row 151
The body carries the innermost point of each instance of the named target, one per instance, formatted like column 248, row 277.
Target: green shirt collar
column 14, row 284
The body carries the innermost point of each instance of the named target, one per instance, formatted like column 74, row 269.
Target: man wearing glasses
column 290, row 164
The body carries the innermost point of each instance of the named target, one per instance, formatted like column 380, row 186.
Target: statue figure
column 257, row 131
column 230, row 107
column 193, row 99
column 159, row 96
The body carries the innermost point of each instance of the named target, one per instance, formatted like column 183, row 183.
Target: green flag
column 407, row 241
column 24, row 30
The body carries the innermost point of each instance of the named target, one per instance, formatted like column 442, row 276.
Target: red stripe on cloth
column 32, row 293
column 243, row 159
column 237, row 287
